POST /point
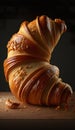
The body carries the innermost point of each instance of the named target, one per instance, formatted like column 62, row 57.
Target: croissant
column 31, row 77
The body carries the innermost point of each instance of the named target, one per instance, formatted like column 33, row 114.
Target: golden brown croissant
column 31, row 77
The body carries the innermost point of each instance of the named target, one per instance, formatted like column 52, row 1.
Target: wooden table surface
column 34, row 112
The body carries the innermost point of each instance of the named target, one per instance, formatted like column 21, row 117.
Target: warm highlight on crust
column 32, row 79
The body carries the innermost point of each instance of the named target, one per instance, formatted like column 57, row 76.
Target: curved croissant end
column 27, row 68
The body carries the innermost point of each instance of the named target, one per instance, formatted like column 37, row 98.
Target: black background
column 14, row 12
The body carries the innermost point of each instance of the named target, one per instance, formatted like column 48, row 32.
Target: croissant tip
column 56, row 20
column 62, row 22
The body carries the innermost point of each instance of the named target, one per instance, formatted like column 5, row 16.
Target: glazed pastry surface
column 31, row 77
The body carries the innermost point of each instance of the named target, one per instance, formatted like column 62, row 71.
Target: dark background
column 14, row 12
